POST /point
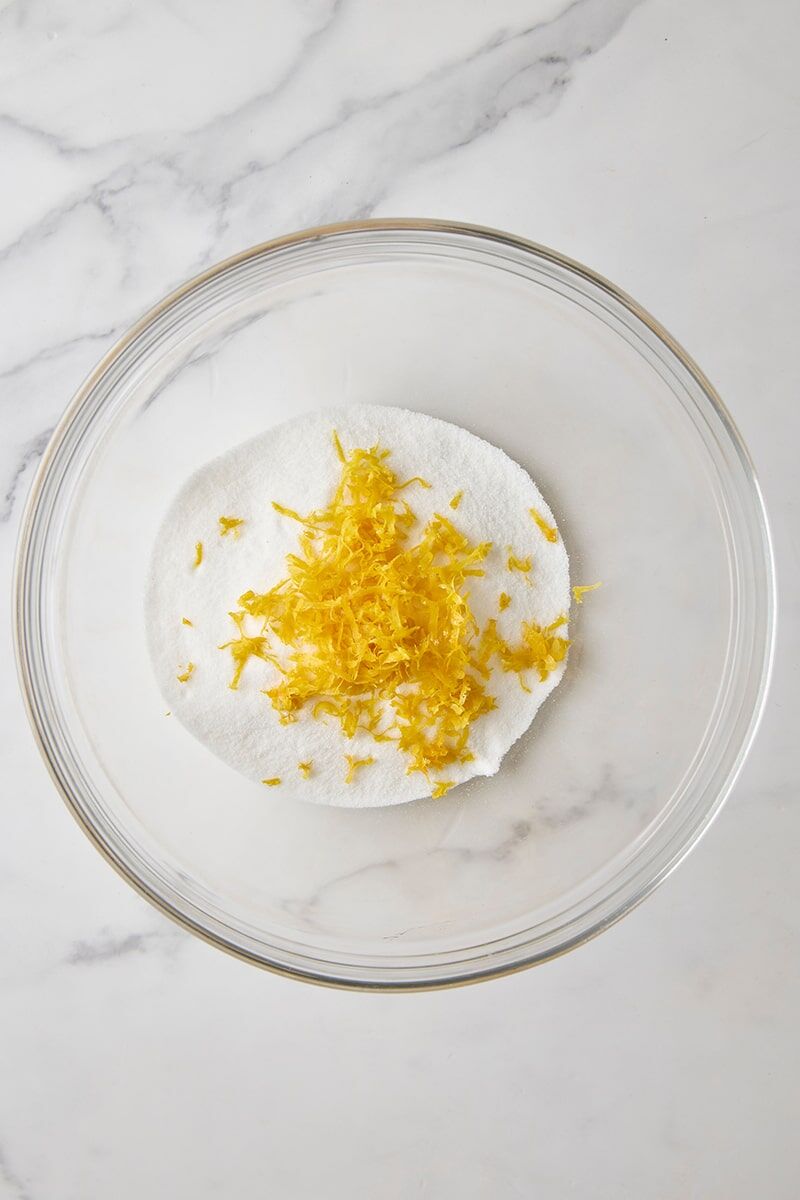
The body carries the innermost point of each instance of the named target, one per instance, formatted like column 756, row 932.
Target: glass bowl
column 654, row 493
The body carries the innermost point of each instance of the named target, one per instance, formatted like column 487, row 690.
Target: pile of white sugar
column 296, row 464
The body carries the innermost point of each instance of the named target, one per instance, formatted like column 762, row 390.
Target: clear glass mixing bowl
column 654, row 493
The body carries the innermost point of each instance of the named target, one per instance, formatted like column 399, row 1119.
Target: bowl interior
column 623, row 764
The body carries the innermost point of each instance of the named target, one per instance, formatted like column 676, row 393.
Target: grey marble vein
column 32, row 451
column 107, row 947
column 459, row 102
column 11, row 1180
column 209, row 348
column 252, row 107
column 560, row 811
column 54, row 141
column 547, row 814
column 518, row 833
column 57, row 349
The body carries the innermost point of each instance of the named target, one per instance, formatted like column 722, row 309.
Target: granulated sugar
column 296, row 464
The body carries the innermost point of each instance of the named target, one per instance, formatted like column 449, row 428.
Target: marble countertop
column 657, row 142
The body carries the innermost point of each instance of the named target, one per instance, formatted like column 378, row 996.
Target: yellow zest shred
column 243, row 648
column 186, row 675
column 548, row 530
column 518, row 564
column 198, row 553
column 503, row 601
column 442, row 786
column 540, row 650
column 288, row 512
column 185, row 621
column 230, row 525
column 415, row 479
column 459, row 496
column 353, row 765
column 305, row 768
column 580, row 590
column 272, row 782
column 378, row 630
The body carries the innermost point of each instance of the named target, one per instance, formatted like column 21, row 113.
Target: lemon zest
column 305, row 768
column 185, row 621
column 276, row 779
column 540, row 650
column 580, row 590
column 503, row 601
column 354, row 764
column 454, row 503
column 288, row 512
column 198, row 554
column 378, row 629
column 186, row 675
column 243, row 648
column 518, row 564
column 549, row 531
column 415, row 479
column 442, row 786
column 230, row 525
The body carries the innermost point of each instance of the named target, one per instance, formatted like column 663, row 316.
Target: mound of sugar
column 296, row 464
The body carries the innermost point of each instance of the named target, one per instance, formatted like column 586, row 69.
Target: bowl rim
column 21, row 636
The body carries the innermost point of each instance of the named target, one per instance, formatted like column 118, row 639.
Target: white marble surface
column 657, row 142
